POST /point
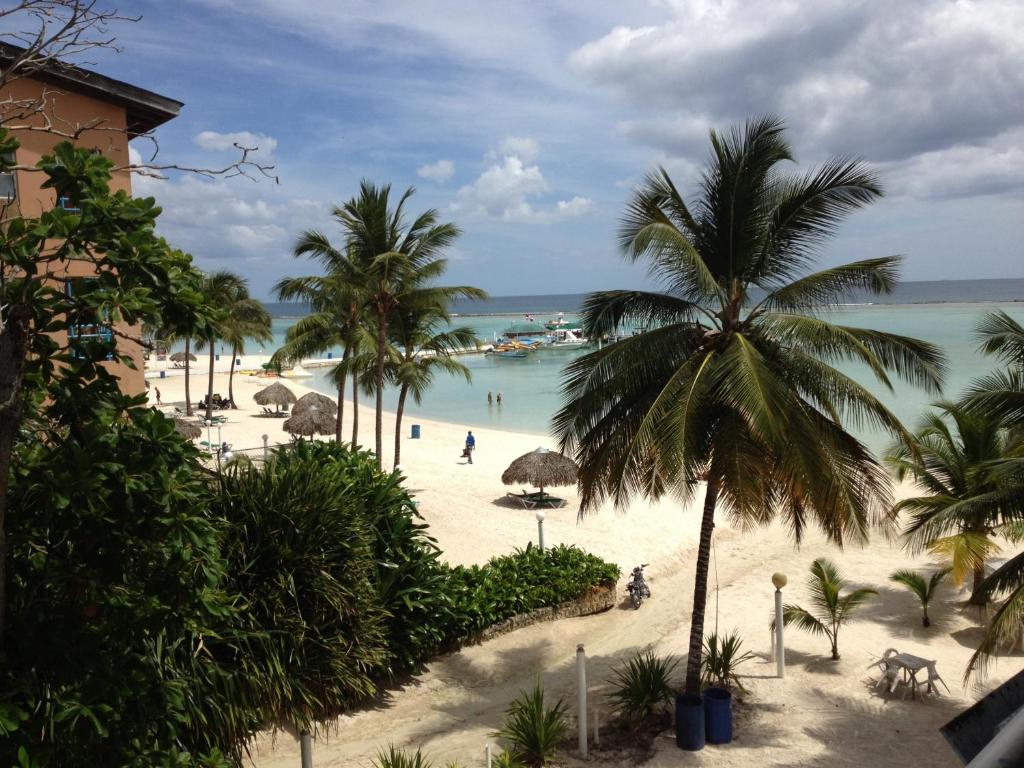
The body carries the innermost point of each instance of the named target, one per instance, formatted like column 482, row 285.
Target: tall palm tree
column 247, row 319
column 731, row 379
column 337, row 304
column 221, row 289
column 173, row 330
column 422, row 350
column 399, row 261
column 965, row 505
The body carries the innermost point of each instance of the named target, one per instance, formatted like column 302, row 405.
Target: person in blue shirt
column 470, row 446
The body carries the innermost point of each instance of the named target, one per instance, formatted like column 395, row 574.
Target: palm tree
column 723, row 389
column 924, row 588
column 422, row 349
column 399, row 262
column 833, row 608
column 177, row 329
column 965, row 507
column 221, row 289
column 247, row 319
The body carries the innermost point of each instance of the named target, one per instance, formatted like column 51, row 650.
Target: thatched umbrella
column 541, row 467
column 316, row 400
column 310, row 421
column 189, row 429
column 181, row 357
column 276, row 393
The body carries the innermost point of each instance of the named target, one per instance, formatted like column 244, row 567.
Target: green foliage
column 400, row 758
column 833, row 609
column 923, row 588
column 642, row 687
column 533, row 730
column 722, row 655
column 522, row 582
column 506, row 759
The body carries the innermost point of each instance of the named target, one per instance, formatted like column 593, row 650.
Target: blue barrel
column 689, row 722
column 415, row 431
column 718, row 715
column 163, row 374
column 330, row 355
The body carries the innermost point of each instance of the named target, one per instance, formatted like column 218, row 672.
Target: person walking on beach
column 490, row 399
column 470, row 446
column 157, row 390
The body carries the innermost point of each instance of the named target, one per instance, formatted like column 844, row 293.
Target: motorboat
column 298, row 372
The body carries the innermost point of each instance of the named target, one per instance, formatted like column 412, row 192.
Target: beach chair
column 890, row 673
column 523, row 498
column 932, row 679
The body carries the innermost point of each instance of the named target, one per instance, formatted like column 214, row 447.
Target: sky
column 528, row 124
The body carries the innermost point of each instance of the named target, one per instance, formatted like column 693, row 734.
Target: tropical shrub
column 641, row 688
column 400, row 758
column 506, row 759
column 833, row 608
column 722, row 655
column 924, row 589
column 532, row 729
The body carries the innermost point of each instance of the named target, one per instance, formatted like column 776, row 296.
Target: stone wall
column 599, row 599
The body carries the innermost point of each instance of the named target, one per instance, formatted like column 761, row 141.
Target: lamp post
column 209, row 435
column 779, row 580
column 540, row 528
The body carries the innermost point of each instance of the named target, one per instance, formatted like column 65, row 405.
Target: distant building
column 72, row 97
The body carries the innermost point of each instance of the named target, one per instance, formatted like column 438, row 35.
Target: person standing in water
column 490, row 399
column 470, row 446
column 499, row 398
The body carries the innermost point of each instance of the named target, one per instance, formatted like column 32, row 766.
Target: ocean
column 945, row 313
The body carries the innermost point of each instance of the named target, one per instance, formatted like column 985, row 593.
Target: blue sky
column 527, row 123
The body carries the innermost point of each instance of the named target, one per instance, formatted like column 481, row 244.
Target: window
column 65, row 202
column 89, row 337
column 8, row 181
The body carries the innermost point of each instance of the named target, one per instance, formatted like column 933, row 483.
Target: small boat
column 298, row 372
column 513, row 348
column 567, row 338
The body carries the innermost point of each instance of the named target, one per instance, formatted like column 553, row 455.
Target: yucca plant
column 399, row 758
column 533, row 730
column 833, row 609
column 722, row 655
column 507, row 760
column 920, row 586
column 641, row 687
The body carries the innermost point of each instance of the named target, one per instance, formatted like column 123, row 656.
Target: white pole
column 540, row 528
column 581, row 687
column 265, row 449
column 209, row 435
column 306, row 749
column 780, row 646
column 487, row 754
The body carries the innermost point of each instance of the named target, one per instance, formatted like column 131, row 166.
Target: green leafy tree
column 398, row 260
column 830, row 608
column 731, row 380
column 423, row 348
column 966, row 505
column 923, row 588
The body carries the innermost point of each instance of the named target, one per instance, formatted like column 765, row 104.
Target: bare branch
column 243, row 166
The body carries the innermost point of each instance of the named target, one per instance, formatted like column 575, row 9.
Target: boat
column 513, row 348
column 567, row 338
column 298, row 372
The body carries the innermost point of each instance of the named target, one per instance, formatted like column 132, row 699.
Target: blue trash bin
column 718, row 715
column 689, row 722
column 163, row 374
column 415, row 431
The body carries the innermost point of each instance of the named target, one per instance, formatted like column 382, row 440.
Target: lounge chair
column 532, row 500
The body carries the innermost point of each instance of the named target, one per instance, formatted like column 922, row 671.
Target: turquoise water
column 530, row 387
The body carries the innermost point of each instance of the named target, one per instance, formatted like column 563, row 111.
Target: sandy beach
column 822, row 713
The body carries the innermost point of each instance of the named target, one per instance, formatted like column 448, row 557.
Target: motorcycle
column 637, row 586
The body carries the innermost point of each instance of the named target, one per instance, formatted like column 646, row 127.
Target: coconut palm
column 731, row 379
column 923, row 588
column 965, row 505
column 221, row 289
column 831, row 608
column 247, row 320
column 422, row 349
column 173, row 330
column 399, row 261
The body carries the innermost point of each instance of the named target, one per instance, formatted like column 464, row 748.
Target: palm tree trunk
column 700, row 588
column 342, row 376
column 209, row 388
column 231, row 376
column 926, row 621
column 381, row 352
column 977, row 598
column 188, row 399
column 355, row 410
column 398, row 424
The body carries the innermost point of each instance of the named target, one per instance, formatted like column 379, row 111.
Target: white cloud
column 577, row 206
column 215, row 141
column 440, row 171
column 523, row 147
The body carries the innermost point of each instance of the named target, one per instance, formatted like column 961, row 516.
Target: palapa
column 540, row 468
column 316, row 400
column 276, row 393
column 179, row 357
column 189, row 429
column 310, row 421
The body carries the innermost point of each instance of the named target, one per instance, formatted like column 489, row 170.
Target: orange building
column 113, row 113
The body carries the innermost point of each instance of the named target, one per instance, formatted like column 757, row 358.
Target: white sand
column 822, row 713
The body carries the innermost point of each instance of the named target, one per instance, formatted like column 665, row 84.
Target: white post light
column 581, row 702
column 779, row 580
column 487, row 754
column 266, row 450
column 209, row 435
column 540, row 528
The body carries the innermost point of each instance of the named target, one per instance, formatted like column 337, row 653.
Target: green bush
column 642, row 688
column 533, row 730
column 722, row 655
column 399, row 758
